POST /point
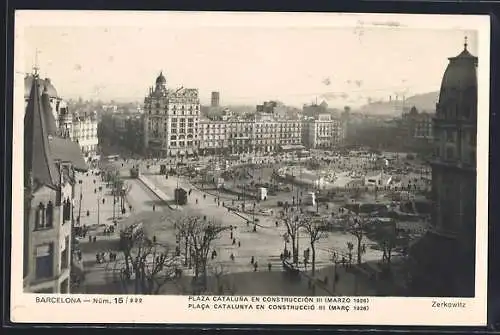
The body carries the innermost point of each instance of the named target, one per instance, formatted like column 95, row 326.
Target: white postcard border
column 173, row 309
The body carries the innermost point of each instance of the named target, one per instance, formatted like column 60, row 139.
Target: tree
column 292, row 222
column 356, row 228
column 146, row 264
column 200, row 234
column 315, row 233
column 350, row 246
column 388, row 243
column 222, row 285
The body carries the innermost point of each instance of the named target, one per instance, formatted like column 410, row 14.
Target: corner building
column 171, row 120
column 443, row 260
column 51, row 163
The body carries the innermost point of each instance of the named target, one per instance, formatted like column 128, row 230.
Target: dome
column 161, row 80
column 458, row 94
column 45, row 85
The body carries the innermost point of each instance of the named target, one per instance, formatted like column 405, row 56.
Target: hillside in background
column 423, row 102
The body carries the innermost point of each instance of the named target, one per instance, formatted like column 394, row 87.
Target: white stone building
column 171, row 120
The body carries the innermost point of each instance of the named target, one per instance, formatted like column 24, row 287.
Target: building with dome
column 171, row 119
column 443, row 260
column 80, row 128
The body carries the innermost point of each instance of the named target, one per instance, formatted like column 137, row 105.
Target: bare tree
column 146, row 264
column 222, row 285
column 356, row 228
column 313, row 230
column 292, row 222
column 388, row 244
column 199, row 234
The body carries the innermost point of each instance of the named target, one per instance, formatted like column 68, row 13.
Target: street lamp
column 99, row 205
column 80, row 203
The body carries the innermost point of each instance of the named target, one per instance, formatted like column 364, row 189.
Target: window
column 44, row 264
column 44, row 216
column 449, row 153
column 64, row 254
column 66, row 210
column 449, row 135
column 473, row 157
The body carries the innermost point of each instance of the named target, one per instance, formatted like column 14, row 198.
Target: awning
column 291, row 147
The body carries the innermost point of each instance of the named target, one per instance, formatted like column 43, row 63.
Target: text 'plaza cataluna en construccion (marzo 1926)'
column 181, row 193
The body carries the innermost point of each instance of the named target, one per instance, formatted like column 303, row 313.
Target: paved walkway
column 266, row 244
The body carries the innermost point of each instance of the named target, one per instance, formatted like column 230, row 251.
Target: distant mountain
column 423, row 102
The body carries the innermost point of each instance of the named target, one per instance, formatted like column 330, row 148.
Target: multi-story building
column 215, row 99
column 214, row 136
column 444, row 258
column 423, row 126
column 79, row 128
column 271, row 134
column 322, row 132
column 263, row 134
column 50, row 166
column 171, row 120
column 239, row 135
column 314, row 110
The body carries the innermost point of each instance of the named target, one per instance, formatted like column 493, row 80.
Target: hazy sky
column 246, row 64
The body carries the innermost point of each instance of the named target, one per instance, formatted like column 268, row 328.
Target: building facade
column 79, row 128
column 444, row 259
column 322, row 132
column 171, row 120
column 271, row 134
column 262, row 135
column 215, row 101
column 51, row 164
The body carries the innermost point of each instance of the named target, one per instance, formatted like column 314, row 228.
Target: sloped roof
column 66, row 150
column 44, row 84
column 38, row 162
column 50, row 121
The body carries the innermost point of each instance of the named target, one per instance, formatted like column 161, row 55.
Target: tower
column 215, row 99
column 445, row 256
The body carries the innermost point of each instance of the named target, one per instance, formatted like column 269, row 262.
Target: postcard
column 250, row 168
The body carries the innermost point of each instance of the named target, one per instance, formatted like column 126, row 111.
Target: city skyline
column 293, row 65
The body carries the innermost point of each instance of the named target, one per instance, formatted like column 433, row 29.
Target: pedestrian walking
column 252, row 260
column 95, row 239
column 255, row 266
column 154, row 207
column 239, row 244
column 269, row 265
